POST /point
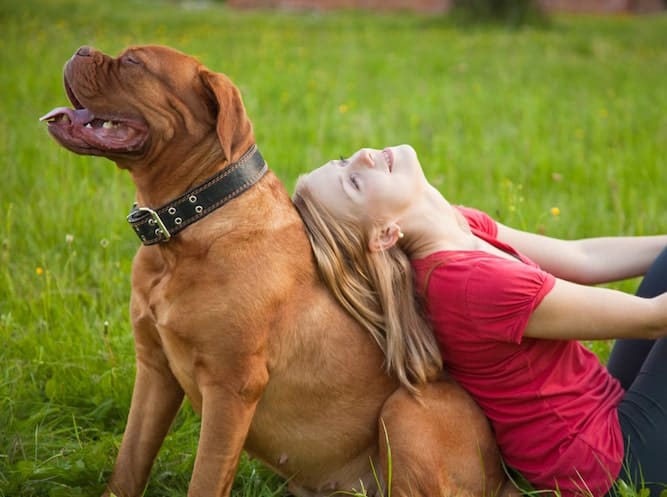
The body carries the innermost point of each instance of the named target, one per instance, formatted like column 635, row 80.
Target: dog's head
column 147, row 103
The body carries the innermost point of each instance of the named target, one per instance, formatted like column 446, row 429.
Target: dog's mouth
column 82, row 131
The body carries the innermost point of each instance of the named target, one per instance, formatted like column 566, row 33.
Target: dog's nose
column 84, row 51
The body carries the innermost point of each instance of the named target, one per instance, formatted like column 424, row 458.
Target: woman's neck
column 433, row 225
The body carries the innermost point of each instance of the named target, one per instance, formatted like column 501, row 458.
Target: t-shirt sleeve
column 478, row 220
column 500, row 296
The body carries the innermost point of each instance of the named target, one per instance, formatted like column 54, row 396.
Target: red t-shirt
column 552, row 404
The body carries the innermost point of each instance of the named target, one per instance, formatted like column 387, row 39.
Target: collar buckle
column 161, row 230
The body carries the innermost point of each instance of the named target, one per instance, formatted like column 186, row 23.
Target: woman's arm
column 577, row 312
column 587, row 261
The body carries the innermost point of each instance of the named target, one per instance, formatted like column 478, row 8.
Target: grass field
column 560, row 130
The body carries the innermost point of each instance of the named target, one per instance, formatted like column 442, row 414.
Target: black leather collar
column 159, row 225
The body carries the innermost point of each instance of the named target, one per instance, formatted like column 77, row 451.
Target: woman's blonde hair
column 375, row 287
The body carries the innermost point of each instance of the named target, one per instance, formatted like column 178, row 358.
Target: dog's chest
column 178, row 345
column 176, row 318
column 203, row 323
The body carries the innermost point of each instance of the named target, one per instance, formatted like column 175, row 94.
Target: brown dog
column 230, row 311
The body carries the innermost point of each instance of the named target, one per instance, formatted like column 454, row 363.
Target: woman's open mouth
column 389, row 158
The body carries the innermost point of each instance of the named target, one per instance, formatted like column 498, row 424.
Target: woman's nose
column 366, row 158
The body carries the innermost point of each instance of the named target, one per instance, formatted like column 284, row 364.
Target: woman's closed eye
column 354, row 180
column 343, row 161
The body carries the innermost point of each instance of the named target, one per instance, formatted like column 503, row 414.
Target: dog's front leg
column 156, row 399
column 228, row 406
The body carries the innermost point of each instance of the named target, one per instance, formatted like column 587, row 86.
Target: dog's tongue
column 78, row 116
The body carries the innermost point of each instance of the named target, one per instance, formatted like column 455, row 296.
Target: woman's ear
column 385, row 238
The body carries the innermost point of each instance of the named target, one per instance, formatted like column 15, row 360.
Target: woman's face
column 372, row 186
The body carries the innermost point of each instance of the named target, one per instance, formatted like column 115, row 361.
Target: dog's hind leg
column 439, row 444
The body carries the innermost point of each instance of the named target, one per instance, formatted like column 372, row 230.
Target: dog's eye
column 128, row 58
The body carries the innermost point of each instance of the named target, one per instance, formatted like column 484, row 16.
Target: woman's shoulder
column 450, row 271
column 488, row 292
column 478, row 273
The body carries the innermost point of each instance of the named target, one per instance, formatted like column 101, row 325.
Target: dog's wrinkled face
column 129, row 107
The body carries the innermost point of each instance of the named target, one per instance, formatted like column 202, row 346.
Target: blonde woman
column 507, row 309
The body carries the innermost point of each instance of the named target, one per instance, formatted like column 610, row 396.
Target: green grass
column 513, row 122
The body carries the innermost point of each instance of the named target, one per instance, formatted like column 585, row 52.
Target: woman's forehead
column 322, row 179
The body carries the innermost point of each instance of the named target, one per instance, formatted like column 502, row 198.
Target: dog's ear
column 233, row 125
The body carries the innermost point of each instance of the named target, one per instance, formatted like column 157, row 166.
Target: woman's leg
column 643, row 410
column 626, row 359
column 627, row 356
column 643, row 417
